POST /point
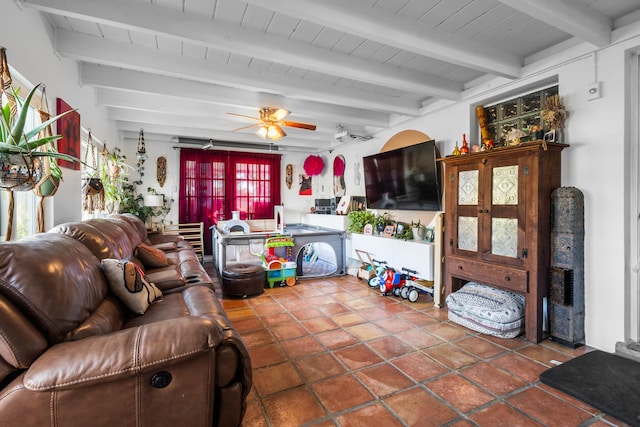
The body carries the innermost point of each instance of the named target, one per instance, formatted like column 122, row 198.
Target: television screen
column 406, row 178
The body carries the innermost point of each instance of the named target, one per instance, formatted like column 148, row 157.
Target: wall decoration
column 69, row 128
column 161, row 170
column 306, row 189
column 313, row 165
column 289, row 175
column 356, row 174
column 339, row 186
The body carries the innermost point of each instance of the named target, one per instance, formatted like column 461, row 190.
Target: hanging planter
column 313, row 165
column 19, row 172
column 48, row 185
column 20, row 154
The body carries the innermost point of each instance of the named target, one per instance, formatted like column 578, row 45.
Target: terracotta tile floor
column 334, row 352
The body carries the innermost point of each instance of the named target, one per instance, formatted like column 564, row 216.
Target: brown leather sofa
column 72, row 354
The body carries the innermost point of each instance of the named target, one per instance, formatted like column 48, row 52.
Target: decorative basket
column 19, row 172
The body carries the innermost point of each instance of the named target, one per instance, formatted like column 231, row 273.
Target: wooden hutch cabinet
column 497, row 222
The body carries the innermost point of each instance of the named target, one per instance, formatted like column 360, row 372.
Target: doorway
column 631, row 346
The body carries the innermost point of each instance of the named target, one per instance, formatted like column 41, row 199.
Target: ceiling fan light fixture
column 271, row 131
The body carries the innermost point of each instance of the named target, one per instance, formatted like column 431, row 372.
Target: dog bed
column 487, row 310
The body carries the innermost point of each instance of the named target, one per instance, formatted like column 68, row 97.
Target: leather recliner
column 72, row 354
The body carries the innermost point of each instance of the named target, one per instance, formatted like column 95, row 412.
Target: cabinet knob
column 459, row 267
column 507, row 278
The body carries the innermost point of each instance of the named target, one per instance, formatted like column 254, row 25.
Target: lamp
column 153, row 201
column 141, row 154
column 271, row 131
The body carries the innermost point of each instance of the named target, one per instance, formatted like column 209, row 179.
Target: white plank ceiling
column 175, row 67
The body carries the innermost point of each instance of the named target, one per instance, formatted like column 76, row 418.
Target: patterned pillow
column 128, row 283
column 151, row 257
column 487, row 310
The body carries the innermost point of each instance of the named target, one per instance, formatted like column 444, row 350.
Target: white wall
column 594, row 163
column 25, row 34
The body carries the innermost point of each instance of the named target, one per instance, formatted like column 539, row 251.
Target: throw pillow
column 128, row 283
column 151, row 257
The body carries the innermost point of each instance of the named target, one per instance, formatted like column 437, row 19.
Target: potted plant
column 113, row 178
column 130, row 202
column 418, row 230
column 380, row 221
column 20, row 149
column 358, row 219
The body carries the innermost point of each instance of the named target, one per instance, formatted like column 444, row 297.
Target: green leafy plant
column 131, row 202
column 358, row 219
column 405, row 232
column 113, row 177
column 15, row 140
column 381, row 220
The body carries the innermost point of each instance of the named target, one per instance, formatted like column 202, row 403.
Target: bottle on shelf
column 456, row 150
column 465, row 146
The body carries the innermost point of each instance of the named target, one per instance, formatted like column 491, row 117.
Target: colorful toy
column 412, row 285
column 280, row 269
column 392, row 283
column 386, row 279
column 279, row 242
column 379, row 268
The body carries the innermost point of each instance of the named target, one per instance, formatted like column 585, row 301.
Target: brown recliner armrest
column 122, row 354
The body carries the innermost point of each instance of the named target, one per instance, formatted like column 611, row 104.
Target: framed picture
column 368, row 229
column 388, row 230
column 344, row 205
column 306, row 188
column 429, row 235
column 69, row 128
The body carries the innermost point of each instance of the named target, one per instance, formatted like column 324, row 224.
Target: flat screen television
column 405, row 179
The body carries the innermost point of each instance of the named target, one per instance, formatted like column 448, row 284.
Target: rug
column 603, row 380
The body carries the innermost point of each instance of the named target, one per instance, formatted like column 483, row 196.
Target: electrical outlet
column 594, row 91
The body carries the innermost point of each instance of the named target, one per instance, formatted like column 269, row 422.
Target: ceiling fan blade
column 243, row 116
column 299, row 125
column 247, row 127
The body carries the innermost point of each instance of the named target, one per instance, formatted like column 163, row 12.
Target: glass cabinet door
column 468, row 192
column 488, row 211
column 504, row 192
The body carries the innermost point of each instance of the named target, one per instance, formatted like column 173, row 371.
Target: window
column 518, row 113
column 215, row 183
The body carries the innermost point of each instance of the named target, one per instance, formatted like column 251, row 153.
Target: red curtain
column 215, row 183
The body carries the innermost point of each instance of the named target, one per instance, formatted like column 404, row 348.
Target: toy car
column 412, row 286
column 392, row 283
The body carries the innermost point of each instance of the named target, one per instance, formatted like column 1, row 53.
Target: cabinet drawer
column 490, row 274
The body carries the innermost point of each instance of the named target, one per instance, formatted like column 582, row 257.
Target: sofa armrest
column 122, row 354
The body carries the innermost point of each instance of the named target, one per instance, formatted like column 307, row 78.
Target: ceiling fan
column 270, row 123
